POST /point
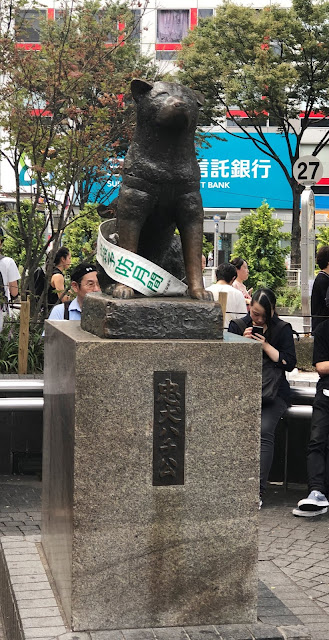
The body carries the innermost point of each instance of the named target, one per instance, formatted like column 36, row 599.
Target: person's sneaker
column 260, row 504
column 309, row 514
column 316, row 501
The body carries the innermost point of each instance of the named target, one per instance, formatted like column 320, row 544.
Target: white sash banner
column 133, row 270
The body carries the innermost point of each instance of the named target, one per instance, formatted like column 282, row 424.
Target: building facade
column 234, row 178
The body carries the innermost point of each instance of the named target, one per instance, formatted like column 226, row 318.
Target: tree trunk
column 295, row 230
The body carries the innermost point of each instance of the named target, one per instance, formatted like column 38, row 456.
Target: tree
column 322, row 237
column 13, row 246
column 66, row 107
column 259, row 244
column 80, row 235
column 273, row 62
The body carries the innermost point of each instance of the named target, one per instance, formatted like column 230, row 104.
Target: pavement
column 293, row 563
column 293, row 559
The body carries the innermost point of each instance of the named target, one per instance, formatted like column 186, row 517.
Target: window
column 166, row 55
column 205, row 13
column 136, row 33
column 324, row 123
column 246, row 122
column 28, row 25
column 172, row 25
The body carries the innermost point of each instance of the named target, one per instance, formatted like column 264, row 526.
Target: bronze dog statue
column 161, row 181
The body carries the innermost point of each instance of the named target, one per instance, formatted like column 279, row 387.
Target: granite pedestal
column 123, row 552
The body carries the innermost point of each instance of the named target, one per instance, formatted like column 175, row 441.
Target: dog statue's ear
column 199, row 98
column 139, row 88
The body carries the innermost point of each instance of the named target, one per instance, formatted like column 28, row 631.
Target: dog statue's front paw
column 201, row 294
column 122, row 291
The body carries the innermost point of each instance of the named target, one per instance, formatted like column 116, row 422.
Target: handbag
column 271, row 379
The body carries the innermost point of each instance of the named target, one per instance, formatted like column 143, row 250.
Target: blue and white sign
column 236, row 174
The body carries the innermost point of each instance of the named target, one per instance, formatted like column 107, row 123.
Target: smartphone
column 257, row 330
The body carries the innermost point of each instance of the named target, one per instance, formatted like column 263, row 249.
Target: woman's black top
column 52, row 294
column 283, row 341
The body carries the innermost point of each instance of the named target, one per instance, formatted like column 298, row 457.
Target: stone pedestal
column 152, row 318
column 125, row 552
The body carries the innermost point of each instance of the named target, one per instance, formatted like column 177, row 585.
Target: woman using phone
column 276, row 339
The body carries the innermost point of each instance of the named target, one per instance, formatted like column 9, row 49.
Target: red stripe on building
column 121, row 29
column 29, row 46
column 174, row 46
column 51, row 14
column 193, row 18
column 323, row 181
column 41, row 112
column 313, row 114
column 242, row 114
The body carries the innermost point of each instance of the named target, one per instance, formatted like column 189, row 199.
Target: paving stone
column 105, row 635
column 38, row 612
column 206, row 632
column 172, row 633
column 36, row 633
column 79, row 635
column 302, row 633
column 265, row 632
column 138, row 634
column 234, row 632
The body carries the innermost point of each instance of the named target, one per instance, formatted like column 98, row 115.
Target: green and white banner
column 134, row 270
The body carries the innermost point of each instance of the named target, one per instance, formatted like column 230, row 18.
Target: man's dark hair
column 81, row 270
column 322, row 257
column 63, row 252
column 226, row 271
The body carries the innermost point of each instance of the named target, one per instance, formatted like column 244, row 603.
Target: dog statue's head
column 166, row 104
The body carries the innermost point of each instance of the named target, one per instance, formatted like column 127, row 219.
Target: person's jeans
column 317, row 453
column 271, row 414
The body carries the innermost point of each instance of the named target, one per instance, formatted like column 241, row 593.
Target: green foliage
column 13, row 245
column 66, row 113
column 206, row 246
column 289, row 297
column 9, row 348
column 80, row 235
column 259, row 244
column 322, row 237
column 270, row 61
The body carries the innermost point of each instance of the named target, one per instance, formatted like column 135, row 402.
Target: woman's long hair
column 266, row 298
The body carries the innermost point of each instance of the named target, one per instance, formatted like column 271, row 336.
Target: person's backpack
column 39, row 281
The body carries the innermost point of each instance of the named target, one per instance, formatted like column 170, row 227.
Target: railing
column 294, row 277
column 15, row 403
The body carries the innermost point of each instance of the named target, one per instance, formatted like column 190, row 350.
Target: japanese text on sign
column 215, row 168
column 169, row 428
column 127, row 268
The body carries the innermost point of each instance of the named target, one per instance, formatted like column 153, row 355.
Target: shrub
column 9, row 339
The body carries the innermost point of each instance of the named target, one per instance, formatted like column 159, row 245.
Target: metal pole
column 307, row 253
column 216, row 246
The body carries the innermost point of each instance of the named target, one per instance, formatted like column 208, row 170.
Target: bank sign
column 236, row 174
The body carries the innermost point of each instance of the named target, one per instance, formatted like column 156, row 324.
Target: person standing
column 319, row 306
column 236, row 304
column 317, row 454
column 242, row 273
column 83, row 280
column 56, row 288
column 9, row 285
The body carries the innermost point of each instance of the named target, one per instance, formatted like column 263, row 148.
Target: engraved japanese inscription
column 169, row 428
